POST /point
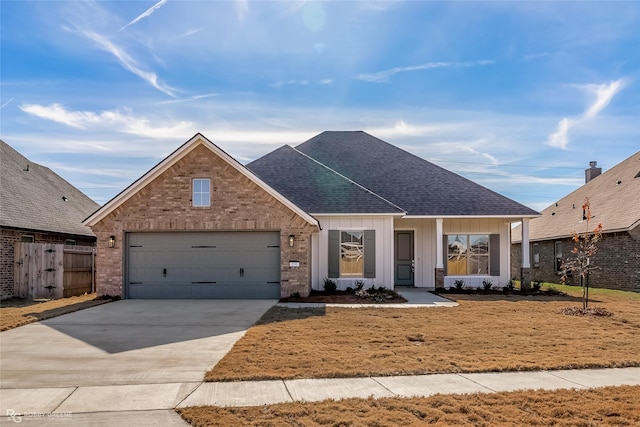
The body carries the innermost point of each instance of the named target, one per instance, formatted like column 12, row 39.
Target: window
column 535, row 254
column 201, row 192
column 27, row 238
column 70, row 242
column 351, row 254
column 467, row 254
column 558, row 256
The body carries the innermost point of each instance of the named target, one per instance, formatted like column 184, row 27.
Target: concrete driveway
column 126, row 342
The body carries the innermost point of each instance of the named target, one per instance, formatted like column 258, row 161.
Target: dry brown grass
column 16, row 312
column 608, row 406
column 484, row 333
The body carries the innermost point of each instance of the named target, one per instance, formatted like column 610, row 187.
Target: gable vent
column 637, row 175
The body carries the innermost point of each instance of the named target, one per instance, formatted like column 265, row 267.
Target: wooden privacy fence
column 53, row 271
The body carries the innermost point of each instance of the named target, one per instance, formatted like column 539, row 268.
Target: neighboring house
column 343, row 205
column 36, row 205
column 614, row 197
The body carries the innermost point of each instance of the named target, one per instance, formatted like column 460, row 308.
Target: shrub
column 509, row 286
column 358, row 284
column 329, row 286
column 459, row 284
column 487, row 284
column 536, row 285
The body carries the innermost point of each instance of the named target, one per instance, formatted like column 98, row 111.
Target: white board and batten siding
column 425, row 246
column 383, row 226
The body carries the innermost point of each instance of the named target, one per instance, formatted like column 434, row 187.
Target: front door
column 404, row 261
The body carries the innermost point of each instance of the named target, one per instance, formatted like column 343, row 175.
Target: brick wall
column 8, row 237
column 618, row 261
column 237, row 203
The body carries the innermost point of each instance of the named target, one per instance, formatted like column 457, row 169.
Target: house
column 614, row 198
column 343, row 205
column 37, row 205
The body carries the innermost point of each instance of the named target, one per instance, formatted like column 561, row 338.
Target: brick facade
column 618, row 261
column 8, row 237
column 237, row 203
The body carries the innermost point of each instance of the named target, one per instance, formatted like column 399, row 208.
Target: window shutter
column 334, row 253
column 369, row 253
column 445, row 251
column 494, row 254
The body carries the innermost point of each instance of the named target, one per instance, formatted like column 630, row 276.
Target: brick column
column 439, row 277
column 525, row 279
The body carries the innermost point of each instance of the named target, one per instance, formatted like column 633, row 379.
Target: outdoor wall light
column 292, row 240
column 112, row 241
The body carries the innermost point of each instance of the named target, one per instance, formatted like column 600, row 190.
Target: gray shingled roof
column 315, row 188
column 614, row 197
column 33, row 199
column 408, row 181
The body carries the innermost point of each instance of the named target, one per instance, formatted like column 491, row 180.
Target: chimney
column 592, row 172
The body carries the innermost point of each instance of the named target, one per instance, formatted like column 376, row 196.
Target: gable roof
column 408, row 181
column 614, row 198
column 170, row 160
column 316, row 188
column 33, row 197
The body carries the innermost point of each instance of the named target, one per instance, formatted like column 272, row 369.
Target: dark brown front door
column 404, row 261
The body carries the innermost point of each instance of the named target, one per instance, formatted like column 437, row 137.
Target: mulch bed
column 344, row 297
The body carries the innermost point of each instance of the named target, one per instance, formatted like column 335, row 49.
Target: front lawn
column 608, row 406
column 484, row 333
column 16, row 312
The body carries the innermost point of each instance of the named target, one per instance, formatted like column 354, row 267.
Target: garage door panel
column 203, row 265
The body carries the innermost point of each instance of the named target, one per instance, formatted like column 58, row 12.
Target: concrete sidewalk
column 107, row 405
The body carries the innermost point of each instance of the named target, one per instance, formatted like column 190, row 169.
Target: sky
column 516, row 96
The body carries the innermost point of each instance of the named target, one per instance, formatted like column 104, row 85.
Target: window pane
column 201, row 194
column 479, row 244
column 478, row 264
column 351, row 253
column 456, row 255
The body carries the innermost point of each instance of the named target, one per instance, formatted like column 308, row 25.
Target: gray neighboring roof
column 408, row 181
column 614, row 197
column 33, row 199
column 314, row 187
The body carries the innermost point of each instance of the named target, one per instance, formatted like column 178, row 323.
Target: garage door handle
column 241, row 272
column 164, row 272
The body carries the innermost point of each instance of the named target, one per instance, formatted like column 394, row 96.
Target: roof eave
column 513, row 217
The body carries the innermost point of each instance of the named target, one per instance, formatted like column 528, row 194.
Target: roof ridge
column 348, row 179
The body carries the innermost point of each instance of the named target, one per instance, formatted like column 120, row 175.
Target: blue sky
column 517, row 96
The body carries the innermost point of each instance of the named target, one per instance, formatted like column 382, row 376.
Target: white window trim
column 193, row 193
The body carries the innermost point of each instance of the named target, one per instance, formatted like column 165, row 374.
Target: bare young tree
column 585, row 246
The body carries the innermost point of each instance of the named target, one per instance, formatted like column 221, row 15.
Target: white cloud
column 146, row 13
column 560, row 138
column 384, row 76
column 123, row 121
column 242, row 9
column 189, row 32
column 281, row 83
column 326, row 81
column 127, row 61
column 189, row 99
column 6, row 103
column 604, row 93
